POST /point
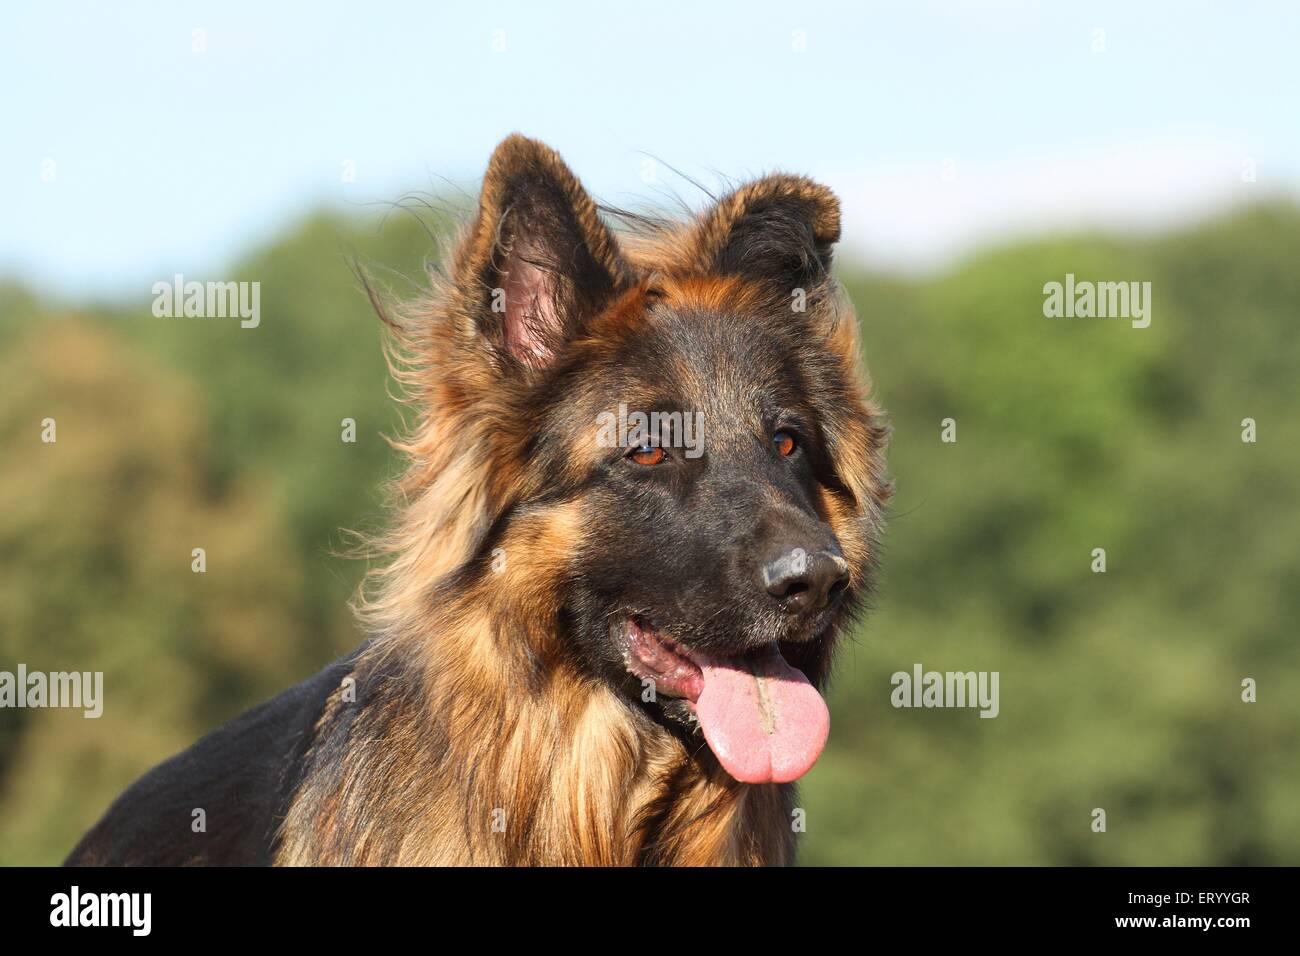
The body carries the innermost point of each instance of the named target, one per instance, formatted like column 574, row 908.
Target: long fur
column 470, row 729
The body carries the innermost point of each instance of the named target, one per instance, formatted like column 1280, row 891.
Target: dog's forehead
column 723, row 363
column 734, row 369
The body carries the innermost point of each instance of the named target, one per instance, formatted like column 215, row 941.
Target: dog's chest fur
column 406, row 770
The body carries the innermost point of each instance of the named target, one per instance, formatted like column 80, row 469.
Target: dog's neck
column 443, row 756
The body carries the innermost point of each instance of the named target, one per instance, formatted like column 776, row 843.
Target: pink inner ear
column 531, row 315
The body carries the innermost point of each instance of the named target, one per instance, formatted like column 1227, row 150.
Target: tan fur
column 569, row 774
column 469, row 709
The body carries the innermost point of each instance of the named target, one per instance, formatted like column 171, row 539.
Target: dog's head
column 681, row 470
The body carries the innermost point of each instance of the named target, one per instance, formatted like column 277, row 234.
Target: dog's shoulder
column 241, row 777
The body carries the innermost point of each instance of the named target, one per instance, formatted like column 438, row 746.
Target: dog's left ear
column 538, row 259
column 779, row 229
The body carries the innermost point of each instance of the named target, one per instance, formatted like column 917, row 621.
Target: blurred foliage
column 1118, row 690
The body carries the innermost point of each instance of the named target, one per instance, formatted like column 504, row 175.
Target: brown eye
column 784, row 443
column 648, row 455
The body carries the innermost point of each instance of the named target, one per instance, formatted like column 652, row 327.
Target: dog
column 644, row 491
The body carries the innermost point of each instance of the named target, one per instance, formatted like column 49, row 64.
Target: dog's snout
column 805, row 582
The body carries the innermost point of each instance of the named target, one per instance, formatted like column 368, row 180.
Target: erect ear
column 538, row 259
column 778, row 229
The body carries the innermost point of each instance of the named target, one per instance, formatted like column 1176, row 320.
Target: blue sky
column 128, row 156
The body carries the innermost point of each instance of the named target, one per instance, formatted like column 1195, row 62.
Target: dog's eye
column 784, row 443
column 647, row 455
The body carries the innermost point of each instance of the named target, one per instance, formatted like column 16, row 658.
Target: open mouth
column 762, row 718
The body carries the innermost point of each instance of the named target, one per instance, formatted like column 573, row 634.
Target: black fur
column 242, row 775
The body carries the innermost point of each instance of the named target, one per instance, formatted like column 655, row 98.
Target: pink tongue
column 762, row 719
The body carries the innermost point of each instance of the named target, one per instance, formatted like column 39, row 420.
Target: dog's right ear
column 538, row 260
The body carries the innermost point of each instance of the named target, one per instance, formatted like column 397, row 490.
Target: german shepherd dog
column 588, row 643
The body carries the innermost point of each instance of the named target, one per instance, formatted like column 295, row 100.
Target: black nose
column 805, row 582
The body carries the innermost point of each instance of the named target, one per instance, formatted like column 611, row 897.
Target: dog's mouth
column 762, row 718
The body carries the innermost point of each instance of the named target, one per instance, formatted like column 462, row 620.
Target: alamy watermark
column 130, row 910
column 75, row 689
column 626, row 429
column 1102, row 300
column 922, row 688
column 209, row 300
